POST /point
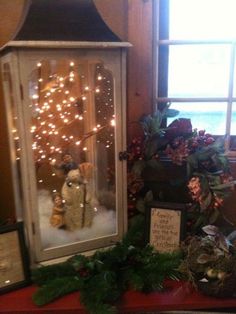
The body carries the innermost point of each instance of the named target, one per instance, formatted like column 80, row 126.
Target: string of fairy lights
column 61, row 104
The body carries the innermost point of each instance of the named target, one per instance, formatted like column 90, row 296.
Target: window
column 196, row 51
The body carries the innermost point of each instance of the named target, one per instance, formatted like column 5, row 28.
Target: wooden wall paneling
column 140, row 63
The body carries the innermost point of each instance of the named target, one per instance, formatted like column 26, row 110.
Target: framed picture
column 14, row 264
column 165, row 225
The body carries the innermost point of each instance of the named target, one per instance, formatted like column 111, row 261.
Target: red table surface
column 176, row 296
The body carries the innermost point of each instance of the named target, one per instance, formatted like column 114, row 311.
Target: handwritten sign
column 165, row 229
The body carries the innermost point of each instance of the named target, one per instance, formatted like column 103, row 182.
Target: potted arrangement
column 179, row 164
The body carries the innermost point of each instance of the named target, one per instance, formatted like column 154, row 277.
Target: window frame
column 161, row 32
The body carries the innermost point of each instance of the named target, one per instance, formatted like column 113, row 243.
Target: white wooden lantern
column 64, row 89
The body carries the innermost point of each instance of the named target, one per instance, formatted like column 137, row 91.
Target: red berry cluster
column 135, row 150
column 200, row 139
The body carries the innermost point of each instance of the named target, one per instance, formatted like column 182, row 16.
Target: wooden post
column 140, row 62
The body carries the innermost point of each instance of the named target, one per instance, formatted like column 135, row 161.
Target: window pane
column 72, row 108
column 234, row 77
column 198, row 71
column 232, row 145
column 233, row 121
column 202, row 19
column 204, row 116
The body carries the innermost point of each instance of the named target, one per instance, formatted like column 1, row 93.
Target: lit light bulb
column 99, row 77
column 113, row 122
column 53, row 162
column 39, row 64
column 72, row 63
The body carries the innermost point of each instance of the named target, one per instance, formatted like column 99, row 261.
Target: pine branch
column 56, row 289
column 45, row 274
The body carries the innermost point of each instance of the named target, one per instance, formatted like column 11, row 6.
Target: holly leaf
column 223, row 186
column 214, row 216
column 206, row 201
column 140, row 205
column 170, row 113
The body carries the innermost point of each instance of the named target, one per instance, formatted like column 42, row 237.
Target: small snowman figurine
column 79, row 212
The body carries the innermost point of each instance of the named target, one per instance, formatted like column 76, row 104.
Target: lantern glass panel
column 73, row 132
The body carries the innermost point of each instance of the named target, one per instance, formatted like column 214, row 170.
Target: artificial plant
column 204, row 180
column 102, row 278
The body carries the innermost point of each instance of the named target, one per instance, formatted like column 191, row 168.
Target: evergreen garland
column 105, row 276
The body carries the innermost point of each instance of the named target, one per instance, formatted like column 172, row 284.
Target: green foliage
column 154, row 131
column 105, row 276
column 205, row 183
column 43, row 275
column 209, row 159
column 56, row 288
column 142, row 202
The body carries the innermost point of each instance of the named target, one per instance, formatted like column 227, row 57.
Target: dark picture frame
column 165, row 225
column 14, row 262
